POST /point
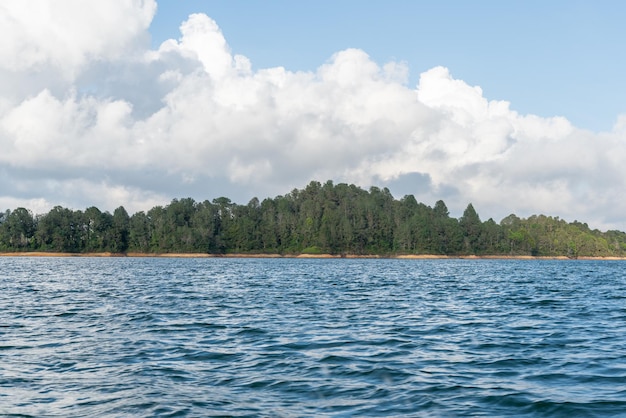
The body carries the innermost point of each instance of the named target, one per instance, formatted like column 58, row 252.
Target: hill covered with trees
column 321, row 218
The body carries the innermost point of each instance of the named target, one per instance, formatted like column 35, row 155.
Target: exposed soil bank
column 204, row 255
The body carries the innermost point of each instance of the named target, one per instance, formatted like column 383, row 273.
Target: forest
column 324, row 218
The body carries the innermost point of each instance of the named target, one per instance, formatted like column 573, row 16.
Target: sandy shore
column 351, row 256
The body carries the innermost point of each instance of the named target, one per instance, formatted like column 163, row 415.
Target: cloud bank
column 91, row 115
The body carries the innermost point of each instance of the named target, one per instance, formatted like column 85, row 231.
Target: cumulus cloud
column 90, row 115
column 65, row 35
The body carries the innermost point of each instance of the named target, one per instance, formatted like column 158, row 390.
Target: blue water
column 116, row 337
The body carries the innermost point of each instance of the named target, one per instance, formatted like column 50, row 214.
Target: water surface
column 114, row 337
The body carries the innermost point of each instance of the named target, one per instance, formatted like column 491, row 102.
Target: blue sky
column 549, row 58
column 513, row 106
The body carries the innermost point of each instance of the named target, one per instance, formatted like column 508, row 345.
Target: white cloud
column 91, row 116
column 37, row 206
column 64, row 35
column 203, row 38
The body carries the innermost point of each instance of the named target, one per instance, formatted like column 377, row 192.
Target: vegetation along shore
column 309, row 256
column 321, row 220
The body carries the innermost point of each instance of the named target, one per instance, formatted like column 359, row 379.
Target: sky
column 515, row 107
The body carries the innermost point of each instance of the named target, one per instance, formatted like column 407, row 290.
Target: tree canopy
column 321, row 218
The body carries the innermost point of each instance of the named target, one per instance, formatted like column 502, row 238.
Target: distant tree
column 60, row 230
column 336, row 218
column 472, row 230
column 94, row 230
column 17, row 229
column 440, row 211
column 205, row 222
column 139, row 232
column 159, row 230
column 447, row 237
column 493, row 238
column 119, row 230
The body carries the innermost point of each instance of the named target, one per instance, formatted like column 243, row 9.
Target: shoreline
column 309, row 256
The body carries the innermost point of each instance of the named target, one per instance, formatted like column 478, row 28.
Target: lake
column 114, row 337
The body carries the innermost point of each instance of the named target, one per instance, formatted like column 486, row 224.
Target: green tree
column 341, row 219
column 472, row 230
column 119, row 230
column 447, row 237
column 139, row 232
column 60, row 230
column 205, row 222
column 17, row 230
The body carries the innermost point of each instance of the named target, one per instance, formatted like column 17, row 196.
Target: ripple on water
column 273, row 337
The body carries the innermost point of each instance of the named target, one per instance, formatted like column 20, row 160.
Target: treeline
column 321, row 218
